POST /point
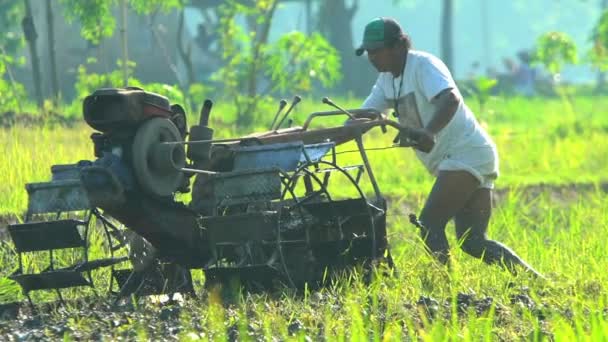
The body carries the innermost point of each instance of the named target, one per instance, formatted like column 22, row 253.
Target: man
column 447, row 138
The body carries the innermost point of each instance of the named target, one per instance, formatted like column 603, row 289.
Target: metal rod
column 206, row 172
column 296, row 100
column 125, row 45
column 372, row 178
column 360, row 125
column 326, row 100
column 52, row 264
column 196, row 142
column 205, row 111
column 282, row 105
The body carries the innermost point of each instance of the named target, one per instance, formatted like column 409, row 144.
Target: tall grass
column 559, row 230
column 470, row 301
column 536, row 145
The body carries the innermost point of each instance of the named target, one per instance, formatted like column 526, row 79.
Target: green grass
column 559, row 230
column 536, row 143
column 563, row 241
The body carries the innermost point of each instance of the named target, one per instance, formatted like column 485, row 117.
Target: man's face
column 381, row 58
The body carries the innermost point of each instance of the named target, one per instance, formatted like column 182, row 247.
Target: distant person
column 524, row 76
column 509, row 65
column 506, row 79
column 449, row 142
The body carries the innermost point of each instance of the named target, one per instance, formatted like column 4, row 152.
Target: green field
column 550, row 208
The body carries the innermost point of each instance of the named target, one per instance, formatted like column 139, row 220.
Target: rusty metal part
column 156, row 164
column 338, row 135
column 265, row 208
column 111, row 109
column 68, row 230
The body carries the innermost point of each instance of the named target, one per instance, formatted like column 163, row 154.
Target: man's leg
column 450, row 193
column 471, row 227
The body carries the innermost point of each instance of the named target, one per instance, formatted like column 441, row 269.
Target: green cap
column 378, row 33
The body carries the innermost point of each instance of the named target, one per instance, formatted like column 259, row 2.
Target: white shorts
column 482, row 163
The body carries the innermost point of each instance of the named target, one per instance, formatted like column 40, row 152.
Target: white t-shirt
column 462, row 144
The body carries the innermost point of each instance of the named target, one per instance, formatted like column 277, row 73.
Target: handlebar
column 360, row 113
column 366, row 119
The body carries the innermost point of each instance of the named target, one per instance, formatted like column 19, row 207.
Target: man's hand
column 420, row 138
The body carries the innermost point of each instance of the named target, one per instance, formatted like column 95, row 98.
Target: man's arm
column 437, row 85
column 446, row 104
column 376, row 99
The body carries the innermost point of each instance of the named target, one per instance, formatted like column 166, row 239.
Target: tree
column 335, row 21
column 599, row 51
column 447, row 51
column 51, row 41
column 554, row 50
column 485, row 33
column 208, row 36
column 250, row 61
column 10, row 42
column 12, row 92
column 95, row 17
column 29, row 30
column 97, row 21
column 10, row 13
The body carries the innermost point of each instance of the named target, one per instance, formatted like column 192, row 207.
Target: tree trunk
column 185, row 52
column 165, row 52
column 335, row 21
column 446, row 34
column 258, row 42
column 485, row 34
column 308, row 10
column 261, row 38
column 51, row 45
column 123, row 39
column 29, row 31
column 601, row 76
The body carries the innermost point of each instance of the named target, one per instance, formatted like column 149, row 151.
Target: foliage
column 238, row 49
column 87, row 82
column 11, row 12
column 553, row 50
column 289, row 64
column 11, row 39
column 175, row 94
column 12, row 92
column 598, row 55
column 482, row 88
column 296, row 60
column 95, row 17
column 150, row 6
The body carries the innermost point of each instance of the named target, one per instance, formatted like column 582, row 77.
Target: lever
column 326, row 100
column 282, row 105
column 205, row 111
column 296, row 100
